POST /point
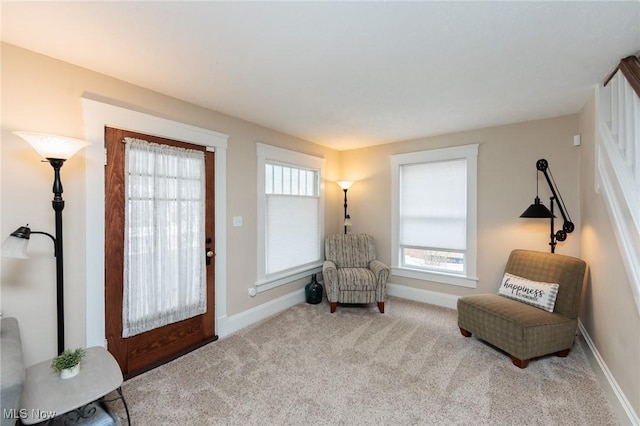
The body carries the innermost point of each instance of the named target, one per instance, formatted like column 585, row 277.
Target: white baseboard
column 425, row 296
column 233, row 323
column 622, row 399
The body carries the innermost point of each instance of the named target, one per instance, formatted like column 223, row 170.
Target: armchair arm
column 330, row 276
column 381, row 272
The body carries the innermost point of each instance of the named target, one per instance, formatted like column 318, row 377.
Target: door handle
column 209, row 253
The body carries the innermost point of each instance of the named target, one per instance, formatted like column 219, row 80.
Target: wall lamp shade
column 15, row 245
column 344, row 184
column 53, row 146
column 537, row 210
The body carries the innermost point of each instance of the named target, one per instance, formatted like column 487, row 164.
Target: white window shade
column 291, row 232
column 433, row 205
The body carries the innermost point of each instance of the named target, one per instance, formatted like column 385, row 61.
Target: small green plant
column 68, row 359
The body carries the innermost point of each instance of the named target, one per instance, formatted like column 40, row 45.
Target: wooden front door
column 147, row 350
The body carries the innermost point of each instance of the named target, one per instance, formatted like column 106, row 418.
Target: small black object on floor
column 313, row 291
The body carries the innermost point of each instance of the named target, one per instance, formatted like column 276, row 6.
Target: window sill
column 287, row 277
column 439, row 277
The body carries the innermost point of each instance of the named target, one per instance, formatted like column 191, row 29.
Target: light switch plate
column 237, row 221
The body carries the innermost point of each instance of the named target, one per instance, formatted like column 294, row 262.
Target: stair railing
column 618, row 161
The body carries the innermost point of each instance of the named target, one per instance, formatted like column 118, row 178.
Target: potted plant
column 68, row 363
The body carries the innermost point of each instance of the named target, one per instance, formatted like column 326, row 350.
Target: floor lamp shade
column 53, row 146
column 344, row 184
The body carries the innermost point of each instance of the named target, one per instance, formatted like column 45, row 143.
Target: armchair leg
column 333, row 306
column 520, row 363
column 464, row 332
column 381, row 307
column 563, row 353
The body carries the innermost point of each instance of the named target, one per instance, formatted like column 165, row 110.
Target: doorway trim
column 97, row 115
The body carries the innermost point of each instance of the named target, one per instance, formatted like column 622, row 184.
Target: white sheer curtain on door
column 164, row 262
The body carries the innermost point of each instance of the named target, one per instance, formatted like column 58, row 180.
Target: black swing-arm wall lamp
column 538, row 210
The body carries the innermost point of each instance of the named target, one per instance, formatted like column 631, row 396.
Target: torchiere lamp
column 539, row 210
column 56, row 150
column 345, row 185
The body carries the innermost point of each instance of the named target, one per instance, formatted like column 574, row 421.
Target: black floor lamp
column 345, row 185
column 56, row 150
column 539, row 210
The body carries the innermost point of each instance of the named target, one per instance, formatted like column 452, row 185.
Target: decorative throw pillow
column 538, row 294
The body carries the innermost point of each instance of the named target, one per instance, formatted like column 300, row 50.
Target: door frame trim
column 97, row 115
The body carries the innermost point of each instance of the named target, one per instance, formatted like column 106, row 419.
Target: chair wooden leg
column 520, row 363
column 464, row 332
column 563, row 353
column 381, row 307
column 333, row 305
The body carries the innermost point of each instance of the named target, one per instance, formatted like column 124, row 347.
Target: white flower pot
column 68, row 373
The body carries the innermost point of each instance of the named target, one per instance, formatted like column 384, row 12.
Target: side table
column 45, row 395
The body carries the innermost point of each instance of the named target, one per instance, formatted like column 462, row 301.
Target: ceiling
column 345, row 74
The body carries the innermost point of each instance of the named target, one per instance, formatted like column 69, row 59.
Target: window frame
column 275, row 155
column 468, row 153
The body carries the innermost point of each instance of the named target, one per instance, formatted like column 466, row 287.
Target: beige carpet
column 409, row 366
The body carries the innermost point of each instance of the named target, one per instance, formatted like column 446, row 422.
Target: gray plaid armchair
column 351, row 272
column 521, row 330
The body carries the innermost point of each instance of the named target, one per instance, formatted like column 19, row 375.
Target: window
column 290, row 216
column 164, row 270
column 434, row 215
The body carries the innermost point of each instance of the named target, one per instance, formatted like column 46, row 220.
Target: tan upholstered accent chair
column 522, row 330
column 351, row 272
